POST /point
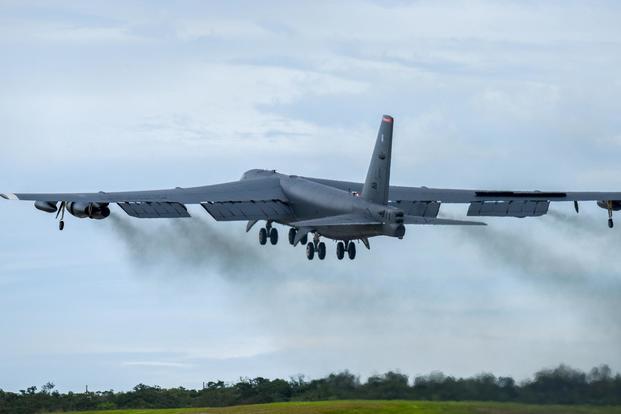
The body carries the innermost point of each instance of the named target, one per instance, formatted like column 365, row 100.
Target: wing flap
column 248, row 210
column 526, row 208
column 418, row 208
column 155, row 210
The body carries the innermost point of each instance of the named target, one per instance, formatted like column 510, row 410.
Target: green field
column 381, row 407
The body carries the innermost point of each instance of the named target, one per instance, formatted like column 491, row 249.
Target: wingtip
column 9, row 196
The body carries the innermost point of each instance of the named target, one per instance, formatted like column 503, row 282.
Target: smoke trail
column 523, row 252
column 189, row 243
column 579, row 223
column 592, row 287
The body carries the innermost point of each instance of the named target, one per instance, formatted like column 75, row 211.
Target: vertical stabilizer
column 377, row 183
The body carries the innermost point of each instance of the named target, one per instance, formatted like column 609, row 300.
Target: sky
column 146, row 95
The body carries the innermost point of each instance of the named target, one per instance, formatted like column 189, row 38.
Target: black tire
column 351, row 251
column 292, row 234
column 304, row 240
column 611, row 223
column 321, row 251
column 274, row 237
column 310, row 251
column 340, row 250
column 263, row 237
column 61, row 225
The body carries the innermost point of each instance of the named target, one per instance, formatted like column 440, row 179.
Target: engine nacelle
column 96, row 211
column 47, row 206
column 614, row 205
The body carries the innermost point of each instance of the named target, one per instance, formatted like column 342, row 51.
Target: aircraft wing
column 446, row 195
column 238, row 200
column 425, row 202
column 265, row 189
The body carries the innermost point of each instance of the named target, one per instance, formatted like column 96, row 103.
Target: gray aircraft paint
column 377, row 184
column 335, row 209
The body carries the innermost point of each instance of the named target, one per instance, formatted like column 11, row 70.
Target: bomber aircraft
column 345, row 212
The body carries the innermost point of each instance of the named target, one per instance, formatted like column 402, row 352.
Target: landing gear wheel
column 304, row 239
column 351, row 250
column 310, row 251
column 61, row 225
column 292, row 233
column 340, row 250
column 274, row 236
column 611, row 223
column 321, row 251
column 263, row 237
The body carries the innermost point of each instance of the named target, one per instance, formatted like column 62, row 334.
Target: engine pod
column 47, row 206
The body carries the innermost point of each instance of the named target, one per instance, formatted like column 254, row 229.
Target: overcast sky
column 125, row 96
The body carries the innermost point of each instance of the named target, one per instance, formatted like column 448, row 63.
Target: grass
column 382, row 407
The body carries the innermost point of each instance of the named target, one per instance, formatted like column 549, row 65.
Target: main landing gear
column 611, row 223
column 292, row 233
column 316, row 246
column 268, row 232
column 350, row 250
column 61, row 213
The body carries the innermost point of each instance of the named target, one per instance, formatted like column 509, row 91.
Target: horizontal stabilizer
column 340, row 220
column 440, row 221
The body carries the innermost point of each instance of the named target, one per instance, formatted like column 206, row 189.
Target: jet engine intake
column 96, row 211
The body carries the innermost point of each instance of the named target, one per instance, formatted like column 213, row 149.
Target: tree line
column 562, row 385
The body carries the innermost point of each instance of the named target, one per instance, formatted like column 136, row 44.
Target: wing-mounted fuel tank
column 96, row 211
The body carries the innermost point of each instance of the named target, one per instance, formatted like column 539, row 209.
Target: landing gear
column 340, row 250
column 351, row 250
column 611, row 224
column 304, row 239
column 274, row 236
column 310, row 251
column 61, row 213
column 292, row 233
column 321, row 251
column 263, row 237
